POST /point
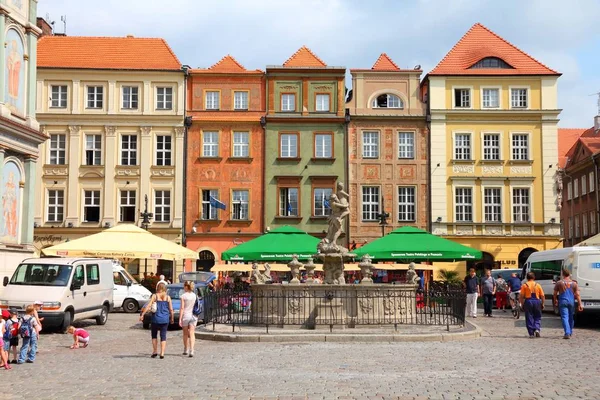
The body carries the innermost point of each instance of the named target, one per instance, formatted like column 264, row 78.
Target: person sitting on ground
column 79, row 336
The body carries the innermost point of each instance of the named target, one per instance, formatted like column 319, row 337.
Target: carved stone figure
column 294, row 266
column 366, row 269
column 261, row 278
column 411, row 274
column 310, row 270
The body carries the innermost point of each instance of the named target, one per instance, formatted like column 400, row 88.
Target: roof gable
column 479, row 43
column 385, row 63
column 582, row 150
column 227, row 64
column 304, row 57
column 122, row 53
column 567, row 138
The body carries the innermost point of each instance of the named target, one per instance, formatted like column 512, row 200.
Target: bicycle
column 515, row 305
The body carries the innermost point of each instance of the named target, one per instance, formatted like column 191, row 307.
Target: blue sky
column 352, row 33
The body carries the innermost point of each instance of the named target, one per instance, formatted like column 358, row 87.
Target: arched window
column 205, row 261
column 387, row 101
column 491, row 62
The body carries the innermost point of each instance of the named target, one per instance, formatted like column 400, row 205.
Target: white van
column 128, row 293
column 70, row 288
column 582, row 262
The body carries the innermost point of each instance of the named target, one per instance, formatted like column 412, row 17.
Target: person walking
column 28, row 332
column 160, row 319
column 471, row 285
column 501, row 293
column 187, row 319
column 532, row 301
column 488, row 289
column 566, row 292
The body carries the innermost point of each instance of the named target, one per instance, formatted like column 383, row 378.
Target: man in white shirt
column 162, row 280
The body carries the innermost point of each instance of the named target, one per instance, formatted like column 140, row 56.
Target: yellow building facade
column 494, row 150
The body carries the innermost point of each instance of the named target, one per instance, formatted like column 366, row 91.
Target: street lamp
column 146, row 215
column 382, row 217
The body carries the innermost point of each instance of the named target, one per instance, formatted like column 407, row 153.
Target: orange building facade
column 225, row 152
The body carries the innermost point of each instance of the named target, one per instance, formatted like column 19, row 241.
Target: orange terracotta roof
column 567, row 138
column 385, row 63
column 592, row 143
column 304, row 57
column 480, row 42
column 124, row 53
column 226, row 65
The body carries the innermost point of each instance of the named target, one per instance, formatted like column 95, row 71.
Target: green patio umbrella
column 277, row 245
column 408, row 243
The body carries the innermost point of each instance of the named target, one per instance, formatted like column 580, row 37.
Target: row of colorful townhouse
column 224, row 154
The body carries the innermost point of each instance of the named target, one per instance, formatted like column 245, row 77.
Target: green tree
column 449, row 276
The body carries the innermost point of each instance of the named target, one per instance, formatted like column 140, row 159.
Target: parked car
column 200, row 277
column 128, row 293
column 175, row 291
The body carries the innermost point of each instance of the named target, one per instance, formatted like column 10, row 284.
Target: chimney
column 130, row 36
column 44, row 26
column 596, row 123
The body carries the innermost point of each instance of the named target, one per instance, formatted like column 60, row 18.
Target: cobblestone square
column 503, row 363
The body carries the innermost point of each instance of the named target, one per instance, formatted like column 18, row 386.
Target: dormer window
column 387, row 101
column 491, row 62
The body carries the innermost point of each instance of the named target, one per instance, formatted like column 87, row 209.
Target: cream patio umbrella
column 122, row 241
column 591, row 241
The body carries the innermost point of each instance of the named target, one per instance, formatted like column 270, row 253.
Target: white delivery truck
column 128, row 293
column 583, row 263
column 70, row 289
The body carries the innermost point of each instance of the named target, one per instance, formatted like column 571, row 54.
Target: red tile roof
column 123, row 53
column 304, row 57
column 226, row 65
column 385, row 63
column 567, row 138
column 480, row 42
column 592, row 143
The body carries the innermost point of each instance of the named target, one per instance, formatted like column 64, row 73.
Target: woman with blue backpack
column 191, row 307
column 162, row 314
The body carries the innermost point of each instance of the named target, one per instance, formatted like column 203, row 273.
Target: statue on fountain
column 261, row 277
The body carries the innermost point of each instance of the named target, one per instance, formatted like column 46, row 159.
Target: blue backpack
column 198, row 306
column 8, row 328
column 26, row 329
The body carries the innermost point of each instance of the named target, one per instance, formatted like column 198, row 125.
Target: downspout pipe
column 187, row 122
column 429, row 170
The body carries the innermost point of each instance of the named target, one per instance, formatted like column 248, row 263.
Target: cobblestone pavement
column 504, row 363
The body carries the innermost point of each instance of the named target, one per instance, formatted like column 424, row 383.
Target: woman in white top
column 187, row 320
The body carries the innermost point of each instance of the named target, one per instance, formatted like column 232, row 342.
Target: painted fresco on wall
column 9, row 227
column 15, row 73
column 19, row 7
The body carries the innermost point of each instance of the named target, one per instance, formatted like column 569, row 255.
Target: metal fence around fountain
column 439, row 304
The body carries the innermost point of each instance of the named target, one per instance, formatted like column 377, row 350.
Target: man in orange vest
column 532, row 301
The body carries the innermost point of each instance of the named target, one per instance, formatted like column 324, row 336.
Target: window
column 59, row 96
column 520, row 147
column 163, row 150
column 491, row 62
column 576, row 188
column 591, row 178
column 592, row 223
column 210, row 144
column 288, row 202
column 569, row 190
column 211, row 100
column 93, row 149
column 370, row 144
column 210, row 197
column 91, row 207
column 570, row 227
column 241, row 144
column 406, row 203
column 464, row 204
column 164, row 98
column 387, row 101
column 323, row 148
column 288, row 145
column 577, row 226
column 406, row 145
column 370, row 203
column 521, row 205
column 583, row 185
column 162, row 206
column 546, row 269
column 462, row 146
column 492, row 200
column 491, row 98
column 288, row 102
column 58, row 149
column 321, row 202
column 94, row 96
column 240, row 100
column 518, row 98
column 462, row 98
column 130, row 97
column 585, row 225
column 56, row 205
column 322, row 102
column 79, row 275
column 93, row 274
column 239, row 204
column 491, row 147
column 127, row 206
column 129, row 150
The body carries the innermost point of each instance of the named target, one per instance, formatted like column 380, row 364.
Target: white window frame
column 321, row 147
column 241, row 144
column 407, row 209
column 213, row 212
column 570, row 227
column 593, row 223
column 97, row 97
column 95, row 201
column 56, row 151
column 163, row 207
column 583, row 185
column 283, row 211
column 62, row 99
column 373, row 202
column 406, row 145
column 484, row 147
column 164, row 98
column 132, row 98
column 240, row 100
column 323, row 193
column 286, row 150
column 576, row 188
column 320, row 104
column 129, row 203
column 470, row 88
column 495, row 208
column 287, row 105
column 53, row 206
column 371, row 146
column 482, row 97
column 510, row 96
column 210, row 148
column 128, row 151
column 577, row 226
column 455, row 147
column 528, row 206
column 592, row 183
column 569, row 190
column 512, row 146
column 584, row 223
column 162, row 152
column 97, row 151
column 467, row 207
column 212, row 100
column 240, row 210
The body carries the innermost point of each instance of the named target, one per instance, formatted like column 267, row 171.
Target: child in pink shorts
column 80, row 336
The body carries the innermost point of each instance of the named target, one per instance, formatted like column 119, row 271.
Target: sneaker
column 474, row 316
column 29, row 362
column 191, row 354
column 537, row 333
column 567, row 337
column 13, row 362
column 531, row 336
column 185, row 352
